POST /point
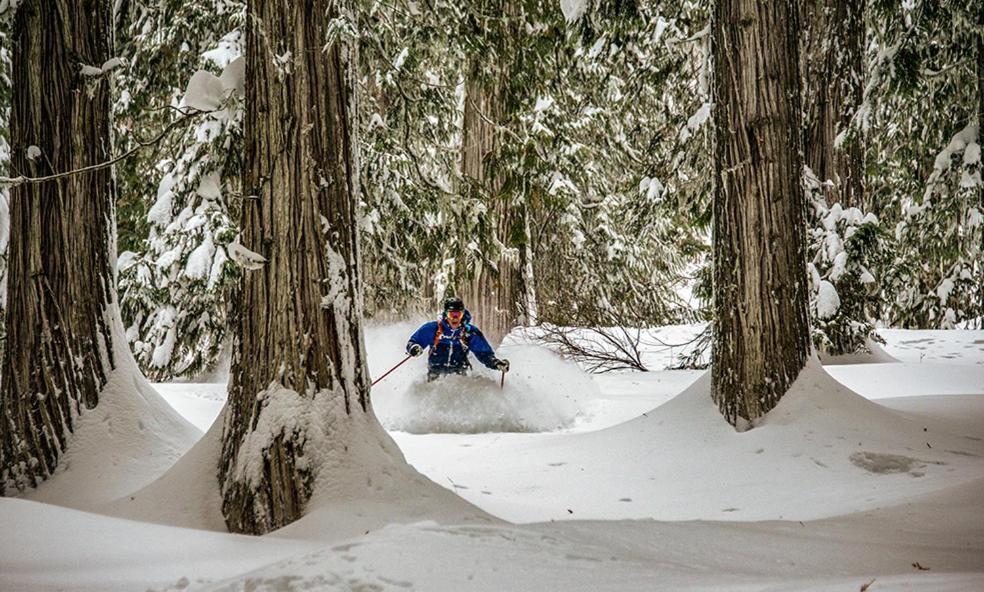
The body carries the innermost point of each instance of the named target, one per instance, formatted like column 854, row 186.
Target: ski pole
column 502, row 381
column 390, row 370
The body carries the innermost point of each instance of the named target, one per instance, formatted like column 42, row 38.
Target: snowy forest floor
column 620, row 481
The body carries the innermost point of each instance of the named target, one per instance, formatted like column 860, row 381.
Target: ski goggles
column 455, row 314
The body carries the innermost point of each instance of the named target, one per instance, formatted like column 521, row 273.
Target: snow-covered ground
column 627, row 481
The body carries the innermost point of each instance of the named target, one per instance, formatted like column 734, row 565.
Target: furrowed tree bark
column 500, row 297
column 61, row 285
column 298, row 347
column 833, row 71
column 761, row 327
column 980, row 138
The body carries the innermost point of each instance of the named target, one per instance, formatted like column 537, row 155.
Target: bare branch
column 24, row 180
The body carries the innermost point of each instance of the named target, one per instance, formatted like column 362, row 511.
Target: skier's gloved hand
column 414, row 349
column 502, row 365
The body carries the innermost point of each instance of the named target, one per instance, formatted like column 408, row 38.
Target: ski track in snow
column 829, row 492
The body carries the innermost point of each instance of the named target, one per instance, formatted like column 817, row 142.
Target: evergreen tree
column 299, row 393
column 921, row 112
column 842, row 240
column 571, row 151
column 178, row 278
column 844, row 245
column 61, row 298
column 410, row 126
column 761, row 324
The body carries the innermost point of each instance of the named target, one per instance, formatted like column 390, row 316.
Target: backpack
column 440, row 331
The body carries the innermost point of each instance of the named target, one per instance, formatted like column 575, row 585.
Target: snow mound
column 362, row 487
column 369, row 485
column 130, row 438
column 541, row 393
column 682, row 461
column 187, row 495
column 876, row 354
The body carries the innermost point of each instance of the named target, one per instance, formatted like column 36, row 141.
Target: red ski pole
column 390, row 370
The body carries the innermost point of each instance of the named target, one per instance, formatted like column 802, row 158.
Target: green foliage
column 176, row 277
column 920, row 115
column 846, row 248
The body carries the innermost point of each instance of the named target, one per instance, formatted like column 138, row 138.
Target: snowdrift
column 187, row 495
column 836, row 450
column 361, row 488
column 128, row 440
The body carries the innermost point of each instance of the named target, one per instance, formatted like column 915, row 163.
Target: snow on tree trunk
column 761, row 328
column 494, row 293
column 832, row 62
column 298, row 379
column 61, row 285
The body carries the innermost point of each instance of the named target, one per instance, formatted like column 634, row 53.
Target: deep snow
column 616, row 482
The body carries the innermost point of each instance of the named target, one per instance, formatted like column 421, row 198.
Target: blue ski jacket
column 449, row 347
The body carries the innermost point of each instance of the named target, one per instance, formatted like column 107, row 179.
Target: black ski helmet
column 453, row 303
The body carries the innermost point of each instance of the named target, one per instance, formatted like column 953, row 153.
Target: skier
column 450, row 340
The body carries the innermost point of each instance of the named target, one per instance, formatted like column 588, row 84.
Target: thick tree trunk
column 833, row 71
column 60, row 290
column 761, row 327
column 980, row 140
column 299, row 355
column 495, row 295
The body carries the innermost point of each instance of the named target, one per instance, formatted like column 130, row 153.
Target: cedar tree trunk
column 761, row 327
column 500, row 293
column 298, row 364
column 833, row 70
column 61, row 285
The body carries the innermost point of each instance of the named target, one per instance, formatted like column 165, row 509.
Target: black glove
column 502, row 365
column 414, row 349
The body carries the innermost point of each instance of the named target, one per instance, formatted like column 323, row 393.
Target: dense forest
column 241, row 187
column 559, row 170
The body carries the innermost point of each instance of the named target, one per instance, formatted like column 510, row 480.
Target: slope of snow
column 65, row 549
column 363, row 487
column 644, row 490
column 187, row 495
column 130, row 438
column 823, row 442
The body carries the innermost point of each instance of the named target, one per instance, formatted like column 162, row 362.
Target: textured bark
column 832, row 66
column 496, row 296
column 61, row 284
column 761, row 327
column 980, row 138
column 299, row 314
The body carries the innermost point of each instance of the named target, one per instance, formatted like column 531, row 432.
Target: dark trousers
column 435, row 372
